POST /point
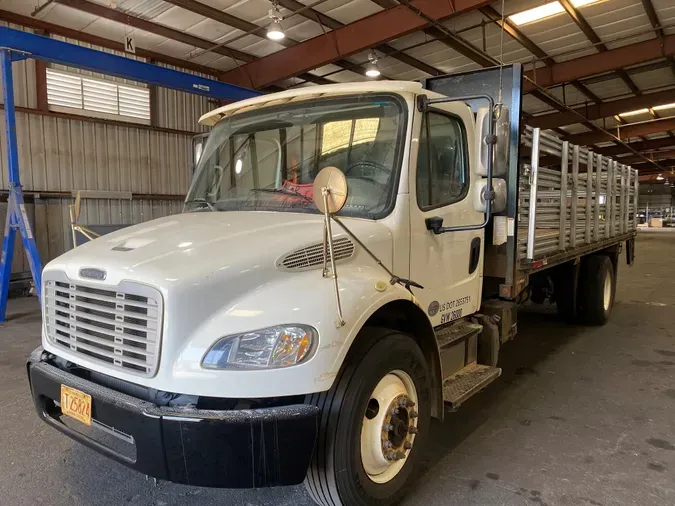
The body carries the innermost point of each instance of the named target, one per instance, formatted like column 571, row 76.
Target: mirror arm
column 491, row 141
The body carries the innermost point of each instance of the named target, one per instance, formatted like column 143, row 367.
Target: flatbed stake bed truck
column 349, row 261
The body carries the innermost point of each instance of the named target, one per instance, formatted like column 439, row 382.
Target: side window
column 442, row 163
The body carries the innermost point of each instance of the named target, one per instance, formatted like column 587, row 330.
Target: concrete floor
column 581, row 416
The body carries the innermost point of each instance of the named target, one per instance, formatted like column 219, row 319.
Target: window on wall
column 74, row 93
column 442, row 163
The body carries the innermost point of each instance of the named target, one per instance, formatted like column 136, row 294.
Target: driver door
column 448, row 265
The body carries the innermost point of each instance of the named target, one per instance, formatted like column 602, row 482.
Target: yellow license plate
column 76, row 404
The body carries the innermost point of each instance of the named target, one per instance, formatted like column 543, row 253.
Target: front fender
column 305, row 298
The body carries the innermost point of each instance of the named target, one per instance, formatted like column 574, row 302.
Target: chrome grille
column 312, row 256
column 118, row 326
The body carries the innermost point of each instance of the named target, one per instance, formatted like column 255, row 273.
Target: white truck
column 349, row 260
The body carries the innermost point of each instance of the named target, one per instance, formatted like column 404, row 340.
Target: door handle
column 474, row 254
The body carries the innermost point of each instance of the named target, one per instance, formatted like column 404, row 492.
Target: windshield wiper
column 201, row 200
column 284, row 191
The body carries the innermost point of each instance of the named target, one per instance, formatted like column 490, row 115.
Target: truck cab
column 262, row 339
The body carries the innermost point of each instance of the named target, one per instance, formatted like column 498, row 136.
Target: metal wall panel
column 59, row 154
column 180, row 110
column 64, row 154
column 25, row 94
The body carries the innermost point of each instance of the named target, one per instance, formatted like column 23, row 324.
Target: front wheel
column 374, row 422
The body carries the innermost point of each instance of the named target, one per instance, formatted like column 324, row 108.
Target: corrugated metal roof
column 616, row 22
column 146, row 9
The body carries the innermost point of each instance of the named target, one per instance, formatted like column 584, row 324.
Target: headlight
column 273, row 347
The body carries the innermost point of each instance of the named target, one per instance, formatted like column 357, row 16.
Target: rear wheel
column 373, row 423
column 565, row 284
column 597, row 284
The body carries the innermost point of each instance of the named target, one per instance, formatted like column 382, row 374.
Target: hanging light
column 659, row 177
column 371, row 69
column 274, row 30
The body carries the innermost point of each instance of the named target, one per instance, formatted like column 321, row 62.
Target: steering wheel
column 214, row 187
column 370, row 165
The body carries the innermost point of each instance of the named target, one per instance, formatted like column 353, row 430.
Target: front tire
column 373, row 424
column 597, row 285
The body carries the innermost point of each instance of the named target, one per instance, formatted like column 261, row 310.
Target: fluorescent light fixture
column 634, row 113
column 238, row 166
column 664, row 106
column 659, row 177
column 544, row 11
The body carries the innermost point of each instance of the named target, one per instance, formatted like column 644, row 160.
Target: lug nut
column 410, row 404
column 414, row 414
column 394, row 411
column 400, row 455
column 386, row 427
column 387, row 444
column 403, row 402
column 407, row 445
column 391, row 455
column 413, row 430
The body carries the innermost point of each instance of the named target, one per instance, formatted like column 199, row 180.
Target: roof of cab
column 211, row 118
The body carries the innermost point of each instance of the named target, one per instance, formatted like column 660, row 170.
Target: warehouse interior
column 89, row 145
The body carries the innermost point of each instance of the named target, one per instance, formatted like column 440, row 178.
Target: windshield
column 267, row 159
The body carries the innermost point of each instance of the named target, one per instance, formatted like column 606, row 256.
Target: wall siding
column 60, row 154
column 23, row 73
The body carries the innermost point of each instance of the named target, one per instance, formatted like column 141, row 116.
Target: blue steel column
column 16, row 211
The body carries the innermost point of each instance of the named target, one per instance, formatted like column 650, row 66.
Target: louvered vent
column 311, row 257
column 98, row 96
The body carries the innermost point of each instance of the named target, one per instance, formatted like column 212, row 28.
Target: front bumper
column 211, row 448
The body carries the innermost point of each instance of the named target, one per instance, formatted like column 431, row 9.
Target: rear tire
column 350, row 415
column 597, row 286
column 565, row 290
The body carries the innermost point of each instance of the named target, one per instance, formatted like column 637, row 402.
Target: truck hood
column 204, row 248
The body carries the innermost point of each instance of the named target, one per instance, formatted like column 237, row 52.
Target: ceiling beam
column 637, row 69
column 604, row 110
column 645, row 147
column 148, row 26
column 468, row 50
column 590, row 34
column 333, row 24
column 253, row 29
column 624, row 132
column 493, row 15
column 38, row 24
column 648, row 167
column 360, row 35
column 657, row 156
column 586, row 66
column 656, row 24
column 170, row 33
column 227, row 19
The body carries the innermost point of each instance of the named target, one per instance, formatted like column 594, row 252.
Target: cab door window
column 442, row 162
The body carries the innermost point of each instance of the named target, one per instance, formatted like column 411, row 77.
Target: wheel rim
column 389, row 426
column 607, row 295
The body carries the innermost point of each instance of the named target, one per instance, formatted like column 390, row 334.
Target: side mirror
column 478, row 195
column 501, row 148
